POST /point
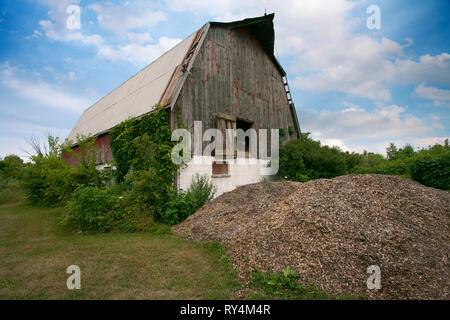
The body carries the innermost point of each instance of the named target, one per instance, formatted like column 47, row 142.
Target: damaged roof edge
column 263, row 29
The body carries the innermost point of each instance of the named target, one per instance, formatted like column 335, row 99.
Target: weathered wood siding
column 232, row 74
column 103, row 151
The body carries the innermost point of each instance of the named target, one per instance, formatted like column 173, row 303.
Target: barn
column 224, row 75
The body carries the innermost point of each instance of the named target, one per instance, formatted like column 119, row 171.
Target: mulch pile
column 331, row 230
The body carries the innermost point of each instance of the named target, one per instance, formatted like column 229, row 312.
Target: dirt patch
column 331, row 230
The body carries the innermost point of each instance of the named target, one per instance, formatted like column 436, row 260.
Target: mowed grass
column 35, row 252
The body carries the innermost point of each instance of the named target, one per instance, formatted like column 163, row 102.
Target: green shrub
column 201, row 190
column 12, row 166
column 151, row 190
column 11, row 172
column 304, row 159
column 89, row 208
column 11, row 190
column 106, row 176
column 180, row 206
column 51, row 181
column 432, row 171
column 144, row 174
column 108, row 208
column 399, row 167
column 291, row 131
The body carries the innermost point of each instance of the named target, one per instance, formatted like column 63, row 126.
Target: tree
column 11, row 167
column 391, row 151
column 406, row 152
column 304, row 159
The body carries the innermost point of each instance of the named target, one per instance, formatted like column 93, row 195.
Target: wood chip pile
column 331, row 230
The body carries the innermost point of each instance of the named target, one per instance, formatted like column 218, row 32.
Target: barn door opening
column 245, row 125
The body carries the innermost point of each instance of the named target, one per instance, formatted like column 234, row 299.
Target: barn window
column 220, row 169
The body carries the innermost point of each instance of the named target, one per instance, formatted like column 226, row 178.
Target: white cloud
column 131, row 16
column 41, row 92
column 137, row 53
column 140, row 37
column 56, row 29
column 141, row 48
column 440, row 97
column 9, row 70
column 36, row 34
column 344, row 127
column 351, row 107
column 430, row 141
column 430, row 69
column 335, row 143
column 54, row 32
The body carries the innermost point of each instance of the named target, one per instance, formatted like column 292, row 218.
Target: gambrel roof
column 161, row 81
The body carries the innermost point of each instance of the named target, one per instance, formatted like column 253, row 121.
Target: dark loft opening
column 244, row 125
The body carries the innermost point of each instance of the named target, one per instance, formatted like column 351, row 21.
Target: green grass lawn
column 35, row 252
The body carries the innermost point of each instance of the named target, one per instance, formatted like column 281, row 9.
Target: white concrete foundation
column 238, row 173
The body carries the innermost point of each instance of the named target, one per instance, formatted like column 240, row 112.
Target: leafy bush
column 151, row 191
column 49, row 180
column 304, row 159
column 11, row 190
column 12, row 166
column 399, row 167
column 89, row 207
column 11, row 172
column 429, row 166
column 130, row 206
column 180, row 206
column 432, row 171
column 291, row 131
column 201, row 190
column 107, row 208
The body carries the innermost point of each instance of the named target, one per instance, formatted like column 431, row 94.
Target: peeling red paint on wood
column 103, row 152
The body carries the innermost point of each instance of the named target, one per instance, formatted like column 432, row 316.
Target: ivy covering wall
column 143, row 143
column 142, row 148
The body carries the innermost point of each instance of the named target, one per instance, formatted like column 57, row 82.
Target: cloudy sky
column 354, row 87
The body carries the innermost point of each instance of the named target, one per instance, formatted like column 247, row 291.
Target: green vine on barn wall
column 142, row 148
column 143, row 143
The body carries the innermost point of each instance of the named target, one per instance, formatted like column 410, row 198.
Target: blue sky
column 354, row 87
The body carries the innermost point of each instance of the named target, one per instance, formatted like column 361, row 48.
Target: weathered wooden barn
column 224, row 75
